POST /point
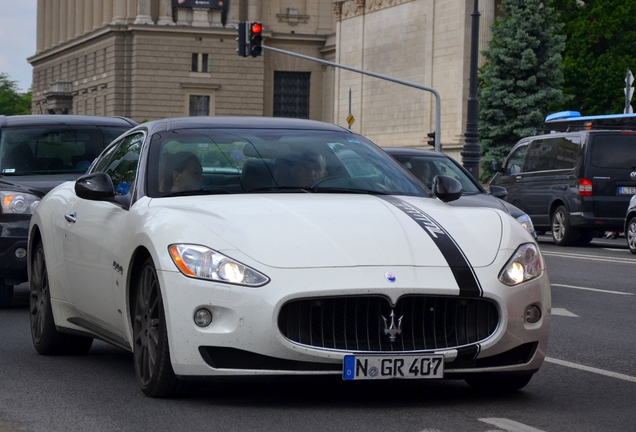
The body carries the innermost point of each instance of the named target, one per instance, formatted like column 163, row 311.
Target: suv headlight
column 524, row 265
column 526, row 222
column 204, row 263
column 18, row 202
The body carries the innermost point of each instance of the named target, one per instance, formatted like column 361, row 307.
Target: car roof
column 64, row 120
column 406, row 151
column 241, row 122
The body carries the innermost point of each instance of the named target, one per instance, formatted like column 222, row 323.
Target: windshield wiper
column 198, row 192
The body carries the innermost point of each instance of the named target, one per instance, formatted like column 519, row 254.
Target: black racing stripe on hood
column 465, row 276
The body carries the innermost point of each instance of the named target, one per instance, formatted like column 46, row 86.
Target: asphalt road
column 588, row 382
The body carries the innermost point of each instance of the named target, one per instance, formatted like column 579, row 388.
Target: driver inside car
column 307, row 168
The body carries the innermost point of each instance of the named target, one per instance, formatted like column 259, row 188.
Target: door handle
column 518, row 178
column 70, row 217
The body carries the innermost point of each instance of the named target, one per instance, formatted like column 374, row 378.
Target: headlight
column 18, row 202
column 525, row 222
column 524, row 265
column 204, row 263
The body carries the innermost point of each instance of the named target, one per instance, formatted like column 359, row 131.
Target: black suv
column 572, row 184
column 38, row 153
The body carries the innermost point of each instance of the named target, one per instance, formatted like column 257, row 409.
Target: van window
column 514, row 164
column 614, row 150
column 552, row 154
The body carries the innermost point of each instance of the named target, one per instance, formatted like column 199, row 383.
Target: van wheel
column 630, row 234
column 562, row 232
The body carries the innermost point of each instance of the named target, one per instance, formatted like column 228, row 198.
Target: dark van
column 572, row 184
column 37, row 153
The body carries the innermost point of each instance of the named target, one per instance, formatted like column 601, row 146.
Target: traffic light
column 255, row 39
column 242, row 39
column 431, row 135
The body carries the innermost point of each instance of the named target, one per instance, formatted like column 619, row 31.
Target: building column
column 63, row 21
column 41, row 23
column 119, row 12
column 255, row 10
column 79, row 17
column 88, row 15
column 143, row 12
column 98, row 10
column 55, row 23
column 487, row 11
column 165, row 13
column 233, row 16
column 70, row 20
column 108, row 12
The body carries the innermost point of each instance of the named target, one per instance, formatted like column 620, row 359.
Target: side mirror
column 497, row 166
column 498, row 192
column 446, row 188
column 96, row 187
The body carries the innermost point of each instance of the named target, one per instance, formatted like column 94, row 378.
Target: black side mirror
column 96, row 187
column 497, row 166
column 498, row 192
column 446, row 188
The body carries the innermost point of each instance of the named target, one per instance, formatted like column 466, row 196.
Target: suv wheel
column 562, row 232
column 630, row 234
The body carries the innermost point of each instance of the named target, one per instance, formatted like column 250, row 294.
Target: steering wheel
column 326, row 179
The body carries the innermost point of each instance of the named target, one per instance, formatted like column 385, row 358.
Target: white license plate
column 625, row 190
column 389, row 367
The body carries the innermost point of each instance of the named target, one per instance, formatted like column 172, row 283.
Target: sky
column 17, row 40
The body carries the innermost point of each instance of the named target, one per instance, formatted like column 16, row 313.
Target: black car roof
column 65, row 120
column 238, row 122
column 405, row 151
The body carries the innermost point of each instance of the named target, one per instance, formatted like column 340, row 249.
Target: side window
column 552, row 154
column 514, row 164
column 120, row 163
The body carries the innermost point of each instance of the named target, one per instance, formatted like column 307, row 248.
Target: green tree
column 521, row 79
column 600, row 47
column 13, row 102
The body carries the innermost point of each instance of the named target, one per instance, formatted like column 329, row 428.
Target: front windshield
column 186, row 162
column 53, row 149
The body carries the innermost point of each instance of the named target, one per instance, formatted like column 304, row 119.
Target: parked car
column 38, row 152
column 250, row 246
column 573, row 184
column 426, row 164
column 630, row 225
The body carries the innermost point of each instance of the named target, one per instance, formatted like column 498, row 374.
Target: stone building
column 148, row 59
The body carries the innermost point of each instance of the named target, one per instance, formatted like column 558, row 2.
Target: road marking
column 509, row 425
column 591, row 369
column 590, row 257
column 592, row 289
column 563, row 312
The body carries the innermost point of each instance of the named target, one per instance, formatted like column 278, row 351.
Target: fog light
column 202, row 317
column 533, row 314
column 20, row 253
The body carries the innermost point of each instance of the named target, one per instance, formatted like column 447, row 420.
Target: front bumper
column 244, row 337
column 14, row 231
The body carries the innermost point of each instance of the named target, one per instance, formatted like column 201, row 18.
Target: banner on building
column 203, row 4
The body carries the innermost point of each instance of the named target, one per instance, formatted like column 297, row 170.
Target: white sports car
column 212, row 246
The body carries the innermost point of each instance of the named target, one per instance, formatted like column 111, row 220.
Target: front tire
column 6, row 295
column 498, row 383
column 562, row 232
column 630, row 235
column 153, row 367
column 46, row 339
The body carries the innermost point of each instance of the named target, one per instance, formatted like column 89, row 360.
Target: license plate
column 627, row 190
column 391, row 367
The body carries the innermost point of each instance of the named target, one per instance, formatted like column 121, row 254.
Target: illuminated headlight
column 18, row 202
column 524, row 265
column 204, row 263
column 525, row 222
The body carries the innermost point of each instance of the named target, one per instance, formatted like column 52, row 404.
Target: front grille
column 358, row 323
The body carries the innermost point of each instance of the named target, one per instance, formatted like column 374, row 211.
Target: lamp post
column 471, row 153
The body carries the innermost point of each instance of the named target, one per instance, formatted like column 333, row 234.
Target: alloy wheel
column 146, row 325
column 39, row 293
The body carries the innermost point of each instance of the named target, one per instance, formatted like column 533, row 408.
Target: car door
column 512, row 176
column 92, row 227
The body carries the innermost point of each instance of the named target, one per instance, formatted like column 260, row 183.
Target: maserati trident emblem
column 392, row 329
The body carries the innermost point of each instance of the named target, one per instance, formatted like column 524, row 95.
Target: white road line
column 591, row 369
column 592, row 289
column 590, row 257
column 563, row 312
column 509, row 425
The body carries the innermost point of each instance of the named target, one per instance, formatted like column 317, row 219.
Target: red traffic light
column 257, row 28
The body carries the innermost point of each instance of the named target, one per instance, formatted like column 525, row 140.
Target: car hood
column 38, row 185
column 325, row 230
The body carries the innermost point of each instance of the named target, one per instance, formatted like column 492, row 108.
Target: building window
column 199, row 62
column 199, row 105
column 291, row 94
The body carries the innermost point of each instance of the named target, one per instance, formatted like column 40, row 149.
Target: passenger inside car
column 422, row 171
column 180, row 172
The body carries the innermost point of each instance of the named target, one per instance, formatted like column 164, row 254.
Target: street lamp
column 471, row 153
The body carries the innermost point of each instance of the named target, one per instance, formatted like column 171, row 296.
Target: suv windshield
column 53, row 149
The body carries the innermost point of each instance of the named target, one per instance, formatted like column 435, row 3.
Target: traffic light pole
column 438, row 109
